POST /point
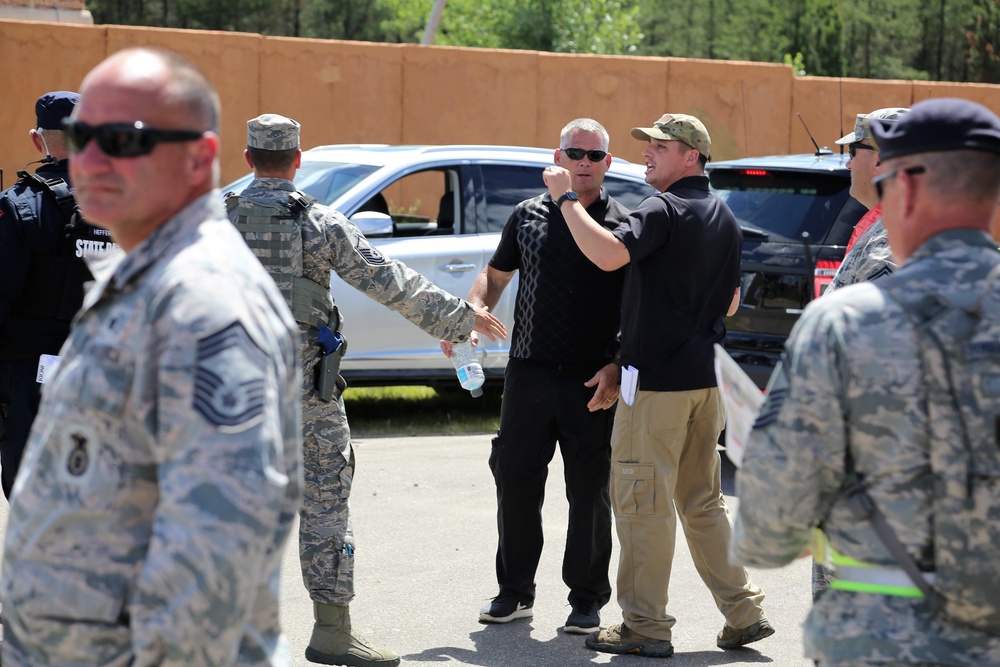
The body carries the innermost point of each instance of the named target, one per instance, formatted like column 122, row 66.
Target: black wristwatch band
column 572, row 196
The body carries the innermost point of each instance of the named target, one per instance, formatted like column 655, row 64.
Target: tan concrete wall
column 357, row 92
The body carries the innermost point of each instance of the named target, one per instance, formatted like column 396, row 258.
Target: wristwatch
column 569, row 196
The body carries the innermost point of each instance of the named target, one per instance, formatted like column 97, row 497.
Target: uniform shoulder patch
column 777, row 392
column 229, row 380
column 369, row 252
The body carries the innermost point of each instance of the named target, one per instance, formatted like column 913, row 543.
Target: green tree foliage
column 566, row 26
column 954, row 40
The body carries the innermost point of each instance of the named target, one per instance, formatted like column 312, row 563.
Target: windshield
column 326, row 181
column 782, row 205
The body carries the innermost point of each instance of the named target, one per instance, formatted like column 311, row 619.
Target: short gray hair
column 583, row 125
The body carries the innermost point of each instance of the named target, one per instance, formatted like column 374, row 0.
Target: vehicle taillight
column 754, row 172
column 823, row 275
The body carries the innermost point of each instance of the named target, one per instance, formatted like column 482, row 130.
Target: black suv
column 797, row 217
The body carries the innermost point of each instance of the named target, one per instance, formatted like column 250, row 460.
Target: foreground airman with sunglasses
column 161, row 478
column 882, row 422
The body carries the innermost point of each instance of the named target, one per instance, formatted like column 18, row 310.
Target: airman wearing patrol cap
column 271, row 132
column 867, row 256
column 873, row 399
column 301, row 242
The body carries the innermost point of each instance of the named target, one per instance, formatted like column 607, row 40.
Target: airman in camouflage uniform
column 852, row 397
column 162, row 475
column 330, row 242
column 868, row 257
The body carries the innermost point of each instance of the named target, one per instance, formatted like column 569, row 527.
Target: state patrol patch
column 229, row 380
column 369, row 252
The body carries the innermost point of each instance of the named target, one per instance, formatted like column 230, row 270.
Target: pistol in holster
column 333, row 347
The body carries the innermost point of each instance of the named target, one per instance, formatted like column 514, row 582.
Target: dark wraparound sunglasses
column 852, row 149
column 578, row 153
column 122, row 139
column 882, row 178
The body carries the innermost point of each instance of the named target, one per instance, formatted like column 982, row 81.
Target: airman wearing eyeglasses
column 880, row 421
column 560, row 386
column 867, row 251
column 162, row 475
column 43, row 240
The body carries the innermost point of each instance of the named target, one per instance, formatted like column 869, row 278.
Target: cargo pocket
column 633, row 488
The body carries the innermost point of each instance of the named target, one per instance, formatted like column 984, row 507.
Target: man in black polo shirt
column 560, row 385
column 682, row 248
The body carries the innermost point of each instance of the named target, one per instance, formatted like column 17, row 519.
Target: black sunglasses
column 881, row 178
column 122, row 139
column 578, row 153
column 852, row 149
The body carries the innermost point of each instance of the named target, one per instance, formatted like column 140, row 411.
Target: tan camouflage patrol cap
column 678, row 127
column 862, row 130
column 272, row 132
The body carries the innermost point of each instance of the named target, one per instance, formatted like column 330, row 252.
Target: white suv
column 439, row 210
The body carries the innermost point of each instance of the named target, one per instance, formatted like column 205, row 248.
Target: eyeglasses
column 122, row 139
column 852, row 149
column 578, row 153
column 881, row 178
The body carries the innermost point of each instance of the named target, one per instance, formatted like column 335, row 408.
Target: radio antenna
column 819, row 151
column 840, row 84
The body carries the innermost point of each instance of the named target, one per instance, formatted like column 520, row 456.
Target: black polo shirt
column 685, row 247
column 567, row 309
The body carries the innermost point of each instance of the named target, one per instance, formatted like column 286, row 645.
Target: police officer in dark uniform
column 42, row 272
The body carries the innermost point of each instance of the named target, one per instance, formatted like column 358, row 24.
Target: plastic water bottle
column 467, row 367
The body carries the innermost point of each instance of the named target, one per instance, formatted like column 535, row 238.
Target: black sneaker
column 584, row 619
column 504, row 609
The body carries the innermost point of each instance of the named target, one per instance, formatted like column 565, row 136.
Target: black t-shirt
column 685, row 247
column 567, row 310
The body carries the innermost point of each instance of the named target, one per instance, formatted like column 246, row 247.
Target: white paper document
column 46, row 367
column 630, row 381
column 742, row 400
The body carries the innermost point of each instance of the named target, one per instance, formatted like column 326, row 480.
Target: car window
column 326, row 181
column 508, row 185
column 421, row 203
column 323, row 180
column 782, row 206
column 628, row 193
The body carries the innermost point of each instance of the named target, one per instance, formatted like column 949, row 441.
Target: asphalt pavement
column 424, row 512
column 425, row 532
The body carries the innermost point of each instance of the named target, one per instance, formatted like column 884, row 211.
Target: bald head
column 147, row 144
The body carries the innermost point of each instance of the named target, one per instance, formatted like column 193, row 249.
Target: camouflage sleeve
column 389, row 281
column 869, row 259
column 793, row 462
column 223, row 425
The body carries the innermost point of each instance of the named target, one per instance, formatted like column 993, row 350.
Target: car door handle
column 457, row 268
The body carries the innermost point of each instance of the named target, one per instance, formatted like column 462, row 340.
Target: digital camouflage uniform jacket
column 869, row 259
column 851, row 383
column 162, row 475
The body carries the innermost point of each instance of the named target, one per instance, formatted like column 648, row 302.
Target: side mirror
column 373, row 224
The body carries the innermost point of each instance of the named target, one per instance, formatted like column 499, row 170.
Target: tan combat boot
column 333, row 643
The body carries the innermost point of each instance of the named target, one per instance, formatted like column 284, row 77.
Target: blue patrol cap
column 943, row 124
column 51, row 108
